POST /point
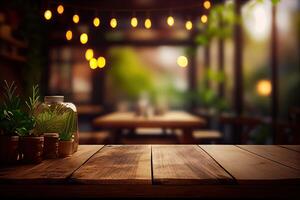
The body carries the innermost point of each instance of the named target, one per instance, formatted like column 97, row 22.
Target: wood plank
column 117, row 164
column 278, row 154
column 185, row 164
column 49, row 171
column 248, row 168
column 292, row 147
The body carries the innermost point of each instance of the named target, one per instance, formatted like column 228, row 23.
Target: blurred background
column 233, row 63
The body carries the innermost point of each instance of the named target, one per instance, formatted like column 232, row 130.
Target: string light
column 148, row 23
column 69, row 35
column 207, row 4
column 204, row 19
column 182, row 61
column 60, row 9
column 264, row 87
column 93, row 63
column 170, row 21
column 76, row 18
column 84, row 38
column 89, row 54
column 101, row 62
column 134, row 22
column 48, row 14
column 96, row 21
column 188, row 25
column 113, row 22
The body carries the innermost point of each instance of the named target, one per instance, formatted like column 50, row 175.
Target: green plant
column 56, row 118
column 13, row 120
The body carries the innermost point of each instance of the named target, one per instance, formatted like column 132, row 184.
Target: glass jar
column 59, row 117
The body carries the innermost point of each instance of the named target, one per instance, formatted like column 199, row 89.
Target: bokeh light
column 182, row 61
column 204, row 19
column 48, row 14
column 148, row 23
column 96, row 21
column 101, row 62
column 264, row 87
column 76, row 18
column 60, row 9
column 134, row 22
column 89, row 54
column 93, row 63
column 69, row 35
column 170, row 21
column 188, row 25
column 84, row 38
column 113, row 23
column 207, row 4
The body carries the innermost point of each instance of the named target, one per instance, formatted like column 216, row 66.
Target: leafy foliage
column 13, row 120
column 56, row 118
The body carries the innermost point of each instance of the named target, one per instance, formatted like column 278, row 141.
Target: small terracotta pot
column 9, row 152
column 31, row 149
column 65, row 148
column 50, row 145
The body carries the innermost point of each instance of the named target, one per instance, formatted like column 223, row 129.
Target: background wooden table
column 173, row 119
column 160, row 171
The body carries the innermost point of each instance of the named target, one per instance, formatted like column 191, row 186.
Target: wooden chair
column 95, row 137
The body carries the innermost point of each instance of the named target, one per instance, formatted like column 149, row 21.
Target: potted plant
column 9, row 125
column 31, row 142
column 58, row 118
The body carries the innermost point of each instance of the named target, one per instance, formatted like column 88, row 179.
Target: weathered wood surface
column 174, row 119
column 49, row 171
column 278, row 154
column 249, row 168
column 117, row 164
column 292, row 147
column 186, row 164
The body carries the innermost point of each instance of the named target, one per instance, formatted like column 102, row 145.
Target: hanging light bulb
column 76, row 18
column 204, row 19
column 60, row 9
column 93, row 63
column 188, row 25
column 207, row 4
column 96, row 21
column 101, row 62
column 148, row 23
column 48, row 14
column 113, row 22
column 84, row 38
column 134, row 22
column 170, row 21
column 69, row 35
column 89, row 54
column 182, row 61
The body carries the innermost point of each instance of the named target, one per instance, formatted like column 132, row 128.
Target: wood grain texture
column 248, row 168
column 185, row 164
column 117, row 164
column 174, row 119
column 278, row 154
column 292, row 147
column 49, row 171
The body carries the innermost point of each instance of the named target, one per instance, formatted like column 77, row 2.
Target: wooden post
column 274, row 73
column 238, row 62
column 207, row 63
column 221, row 60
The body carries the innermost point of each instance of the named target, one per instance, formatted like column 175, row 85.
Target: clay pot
column 9, row 149
column 31, row 149
column 65, row 148
column 50, row 145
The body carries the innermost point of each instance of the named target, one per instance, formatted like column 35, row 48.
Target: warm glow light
column 113, row 22
column 264, row 87
column 96, row 21
column 204, row 19
column 84, row 38
column 101, row 62
column 188, row 25
column 207, row 4
column 182, row 61
column 69, row 35
column 170, row 21
column 134, row 22
column 93, row 63
column 60, row 9
column 89, row 54
column 48, row 14
column 148, row 23
column 76, row 18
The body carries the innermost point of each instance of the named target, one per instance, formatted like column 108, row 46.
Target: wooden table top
column 172, row 119
column 161, row 171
